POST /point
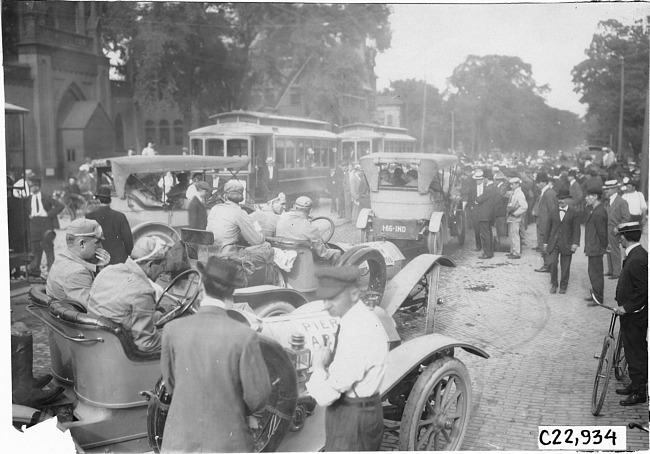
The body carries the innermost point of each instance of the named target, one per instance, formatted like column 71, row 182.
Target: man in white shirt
column 635, row 201
column 23, row 184
column 347, row 380
column 517, row 207
column 43, row 221
column 149, row 150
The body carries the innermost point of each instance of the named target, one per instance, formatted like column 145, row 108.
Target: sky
column 433, row 39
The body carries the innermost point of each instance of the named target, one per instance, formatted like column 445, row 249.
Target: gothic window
column 178, row 132
column 163, row 128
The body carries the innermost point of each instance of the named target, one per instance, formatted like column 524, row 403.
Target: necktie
column 336, row 341
column 38, row 206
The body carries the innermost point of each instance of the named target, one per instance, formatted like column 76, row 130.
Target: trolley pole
column 619, row 150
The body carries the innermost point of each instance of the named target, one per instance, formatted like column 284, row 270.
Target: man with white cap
column 124, row 293
column 517, row 207
column 269, row 215
column 230, row 223
column 295, row 225
column 632, row 299
column 618, row 212
column 75, row 268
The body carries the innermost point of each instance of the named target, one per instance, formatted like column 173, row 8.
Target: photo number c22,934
column 582, row 438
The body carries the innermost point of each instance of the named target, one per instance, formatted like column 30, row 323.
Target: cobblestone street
column 542, row 346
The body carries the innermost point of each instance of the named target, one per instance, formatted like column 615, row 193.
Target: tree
column 498, row 105
column 597, row 79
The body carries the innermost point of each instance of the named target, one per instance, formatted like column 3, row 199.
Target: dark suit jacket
column 487, row 203
column 563, row 233
column 198, row 214
column 215, row 370
column 118, row 240
column 547, row 204
column 617, row 213
column 632, row 287
column 596, row 231
column 577, row 198
column 471, row 195
column 39, row 225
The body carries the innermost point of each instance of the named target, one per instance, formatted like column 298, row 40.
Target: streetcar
column 287, row 154
column 360, row 139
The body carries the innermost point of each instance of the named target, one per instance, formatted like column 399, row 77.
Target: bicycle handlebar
column 634, row 425
column 601, row 304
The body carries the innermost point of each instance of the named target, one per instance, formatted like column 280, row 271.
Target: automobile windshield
column 398, row 175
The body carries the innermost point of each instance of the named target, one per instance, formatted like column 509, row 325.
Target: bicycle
column 611, row 357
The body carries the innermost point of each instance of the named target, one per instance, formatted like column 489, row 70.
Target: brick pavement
column 542, row 346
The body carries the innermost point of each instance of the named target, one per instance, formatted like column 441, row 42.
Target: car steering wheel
column 325, row 227
column 183, row 303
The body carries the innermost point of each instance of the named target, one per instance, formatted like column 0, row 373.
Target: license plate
column 396, row 229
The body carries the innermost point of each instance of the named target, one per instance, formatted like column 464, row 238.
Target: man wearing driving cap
column 618, row 212
column 546, row 204
column 517, row 207
column 562, row 240
column 295, row 225
column 347, row 380
column 215, row 369
column 269, row 215
column 124, row 292
column 118, row 239
column 75, row 268
column 632, row 299
column 230, row 224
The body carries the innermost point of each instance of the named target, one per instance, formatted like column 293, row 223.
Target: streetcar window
column 196, row 147
column 363, row 148
column 280, row 161
column 290, row 154
column 237, row 147
column 214, row 147
column 300, row 155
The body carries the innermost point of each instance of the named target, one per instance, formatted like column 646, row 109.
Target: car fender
column 436, row 221
column 399, row 287
column 362, row 219
column 411, row 354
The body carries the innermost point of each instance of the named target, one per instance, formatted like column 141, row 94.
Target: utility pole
column 619, row 149
column 424, row 114
column 452, row 132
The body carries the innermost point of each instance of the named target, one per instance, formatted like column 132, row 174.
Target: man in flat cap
column 347, row 380
column 596, row 242
column 295, row 225
column 517, row 207
column 546, row 204
column 118, row 239
column 618, row 212
column 269, row 215
column 562, row 239
column 632, row 299
column 475, row 190
column 215, row 369
column 124, row 292
column 76, row 267
column 230, row 224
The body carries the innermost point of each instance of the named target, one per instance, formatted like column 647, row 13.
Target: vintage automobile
column 152, row 203
column 119, row 402
column 413, row 200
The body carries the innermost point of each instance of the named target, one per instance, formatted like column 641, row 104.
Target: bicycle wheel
column 602, row 376
column 620, row 362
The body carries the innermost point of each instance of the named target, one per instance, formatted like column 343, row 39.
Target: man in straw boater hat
column 214, row 367
column 632, row 299
column 475, row 190
column 118, row 240
column 486, row 205
column 618, row 212
column 562, row 239
column 347, row 379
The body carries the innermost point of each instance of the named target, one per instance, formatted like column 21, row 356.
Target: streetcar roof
column 442, row 160
column 122, row 167
column 264, row 115
column 244, row 129
column 11, row 108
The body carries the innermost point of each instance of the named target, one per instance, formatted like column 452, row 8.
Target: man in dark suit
column 632, row 299
column 214, row 368
column 475, row 190
column 595, row 242
column 118, row 240
column 618, row 212
column 577, row 197
column 43, row 221
column 562, row 239
column 485, row 212
column 197, row 211
column 269, row 178
column 547, row 203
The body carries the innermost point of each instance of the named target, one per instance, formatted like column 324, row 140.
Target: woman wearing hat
column 215, row 369
column 635, row 201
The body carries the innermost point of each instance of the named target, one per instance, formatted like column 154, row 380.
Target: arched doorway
column 68, row 157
